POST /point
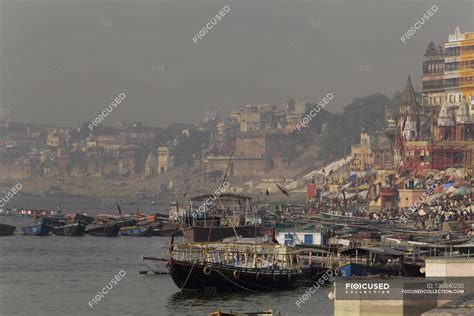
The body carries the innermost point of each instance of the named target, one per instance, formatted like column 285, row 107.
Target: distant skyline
column 62, row 62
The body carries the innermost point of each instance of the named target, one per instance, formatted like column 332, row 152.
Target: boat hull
column 166, row 232
column 36, row 230
column 104, row 231
column 189, row 276
column 70, row 230
column 136, row 231
column 349, row 269
column 6, row 230
column 211, row 234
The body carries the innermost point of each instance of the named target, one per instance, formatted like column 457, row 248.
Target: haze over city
column 63, row 61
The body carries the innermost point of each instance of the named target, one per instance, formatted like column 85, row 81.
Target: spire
column 408, row 97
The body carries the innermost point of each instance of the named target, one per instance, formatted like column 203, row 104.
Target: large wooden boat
column 211, row 218
column 104, row 230
column 6, row 230
column 76, row 229
column 36, row 230
column 234, row 266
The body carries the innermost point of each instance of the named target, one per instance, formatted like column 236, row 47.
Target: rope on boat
column 189, row 274
column 234, row 282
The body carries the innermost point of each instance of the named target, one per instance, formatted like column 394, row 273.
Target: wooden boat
column 84, row 218
column 6, row 230
column 234, row 266
column 366, row 261
column 204, row 234
column 104, row 230
column 166, row 232
column 136, row 231
column 36, row 230
column 76, row 229
column 52, row 221
column 264, row 313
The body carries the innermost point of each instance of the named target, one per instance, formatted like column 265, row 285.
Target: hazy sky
column 63, row 61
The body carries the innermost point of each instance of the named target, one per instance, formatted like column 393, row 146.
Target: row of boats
column 101, row 225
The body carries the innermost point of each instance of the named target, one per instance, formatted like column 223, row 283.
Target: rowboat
column 76, row 229
column 104, row 230
column 36, row 230
column 6, row 230
column 136, row 231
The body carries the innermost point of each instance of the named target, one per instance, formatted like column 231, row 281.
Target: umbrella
column 460, row 173
column 462, row 191
column 447, row 185
column 434, row 197
column 451, row 190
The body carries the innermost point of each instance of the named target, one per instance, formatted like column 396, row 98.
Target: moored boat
column 264, row 313
column 36, row 230
column 234, row 266
column 104, row 230
column 6, row 230
column 136, row 231
column 76, row 229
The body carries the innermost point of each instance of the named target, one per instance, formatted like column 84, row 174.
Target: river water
column 60, row 275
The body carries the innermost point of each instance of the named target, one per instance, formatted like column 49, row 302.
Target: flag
column 282, row 190
column 119, row 210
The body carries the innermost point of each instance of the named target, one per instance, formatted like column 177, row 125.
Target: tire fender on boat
column 276, row 277
column 206, row 270
column 236, row 274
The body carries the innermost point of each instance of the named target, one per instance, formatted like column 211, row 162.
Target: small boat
column 231, row 313
column 36, row 230
column 107, row 230
column 76, row 229
column 367, row 261
column 52, row 221
column 6, row 230
column 136, row 231
column 153, row 202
